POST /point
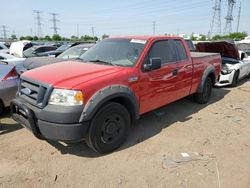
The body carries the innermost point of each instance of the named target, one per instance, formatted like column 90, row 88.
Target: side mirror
column 153, row 64
column 242, row 56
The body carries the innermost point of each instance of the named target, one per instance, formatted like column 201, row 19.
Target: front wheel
column 204, row 96
column 236, row 78
column 1, row 107
column 109, row 128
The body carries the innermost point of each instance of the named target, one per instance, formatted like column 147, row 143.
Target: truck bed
column 202, row 54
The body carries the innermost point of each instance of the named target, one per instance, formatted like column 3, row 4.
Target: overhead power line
column 238, row 22
column 4, row 31
column 215, row 26
column 54, row 21
column 38, row 22
column 229, row 17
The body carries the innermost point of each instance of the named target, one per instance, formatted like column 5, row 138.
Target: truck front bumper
column 29, row 117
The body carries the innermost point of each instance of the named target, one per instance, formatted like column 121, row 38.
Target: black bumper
column 29, row 116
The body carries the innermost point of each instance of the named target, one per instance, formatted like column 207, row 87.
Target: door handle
column 175, row 72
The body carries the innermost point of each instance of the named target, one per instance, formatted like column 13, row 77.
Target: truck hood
column 69, row 74
column 226, row 49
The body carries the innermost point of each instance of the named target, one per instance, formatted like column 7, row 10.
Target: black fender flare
column 209, row 70
column 107, row 94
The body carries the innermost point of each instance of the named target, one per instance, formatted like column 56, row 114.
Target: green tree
column 47, row 38
column 56, row 37
column 13, row 37
column 35, row 38
column 203, row 38
column 74, row 38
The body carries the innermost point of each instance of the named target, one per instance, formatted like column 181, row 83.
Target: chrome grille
column 34, row 93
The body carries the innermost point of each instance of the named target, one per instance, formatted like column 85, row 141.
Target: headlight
column 226, row 70
column 66, row 97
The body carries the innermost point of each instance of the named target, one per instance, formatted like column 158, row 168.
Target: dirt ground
column 215, row 139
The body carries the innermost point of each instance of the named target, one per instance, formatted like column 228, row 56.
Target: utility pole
column 153, row 27
column 54, row 21
column 93, row 31
column 77, row 30
column 216, row 19
column 4, row 30
column 38, row 22
column 238, row 23
column 229, row 17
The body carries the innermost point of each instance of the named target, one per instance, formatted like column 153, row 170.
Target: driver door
column 158, row 87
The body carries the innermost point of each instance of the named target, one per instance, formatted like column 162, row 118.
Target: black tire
column 248, row 76
column 109, row 128
column 235, row 78
column 1, row 107
column 204, row 96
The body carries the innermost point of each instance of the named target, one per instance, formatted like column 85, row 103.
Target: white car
column 233, row 70
column 3, row 48
column 12, row 59
column 235, row 64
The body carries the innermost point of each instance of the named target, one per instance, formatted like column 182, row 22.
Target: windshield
column 29, row 51
column 63, row 47
column 229, row 61
column 72, row 53
column 120, row 52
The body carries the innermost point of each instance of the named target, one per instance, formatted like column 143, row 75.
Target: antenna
column 54, row 20
column 215, row 26
column 153, row 27
column 238, row 22
column 229, row 17
column 38, row 22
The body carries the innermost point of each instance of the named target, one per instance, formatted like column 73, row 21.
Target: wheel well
column 212, row 77
column 127, row 104
column 1, row 102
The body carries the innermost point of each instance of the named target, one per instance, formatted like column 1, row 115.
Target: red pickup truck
column 96, row 97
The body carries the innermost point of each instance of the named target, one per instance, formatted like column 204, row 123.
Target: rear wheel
column 109, row 128
column 248, row 76
column 1, row 107
column 204, row 96
column 236, row 78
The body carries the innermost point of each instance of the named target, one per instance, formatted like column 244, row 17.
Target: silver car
column 8, row 83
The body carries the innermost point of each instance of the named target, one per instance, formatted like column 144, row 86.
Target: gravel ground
column 214, row 140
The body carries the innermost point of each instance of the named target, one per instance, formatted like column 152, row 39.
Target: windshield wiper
column 101, row 62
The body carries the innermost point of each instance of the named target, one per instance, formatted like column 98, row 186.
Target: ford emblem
column 26, row 91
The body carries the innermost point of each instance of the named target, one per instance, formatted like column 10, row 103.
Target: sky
column 128, row 17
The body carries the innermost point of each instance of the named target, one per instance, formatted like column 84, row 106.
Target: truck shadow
column 149, row 125
column 8, row 128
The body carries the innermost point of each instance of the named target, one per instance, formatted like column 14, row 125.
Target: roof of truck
column 145, row 37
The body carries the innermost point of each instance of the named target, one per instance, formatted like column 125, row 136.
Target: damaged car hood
column 226, row 49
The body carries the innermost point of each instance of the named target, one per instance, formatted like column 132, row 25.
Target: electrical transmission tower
column 54, row 20
column 4, row 31
column 238, row 22
column 38, row 22
column 93, row 31
column 153, row 27
column 229, row 17
column 215, row 26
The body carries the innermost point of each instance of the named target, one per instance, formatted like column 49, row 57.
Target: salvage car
column 8, row 83
column 59, row 50
column 37, row 51
column 70, row 54
column 116, row 81
column 3, row 48
column 235, row 63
